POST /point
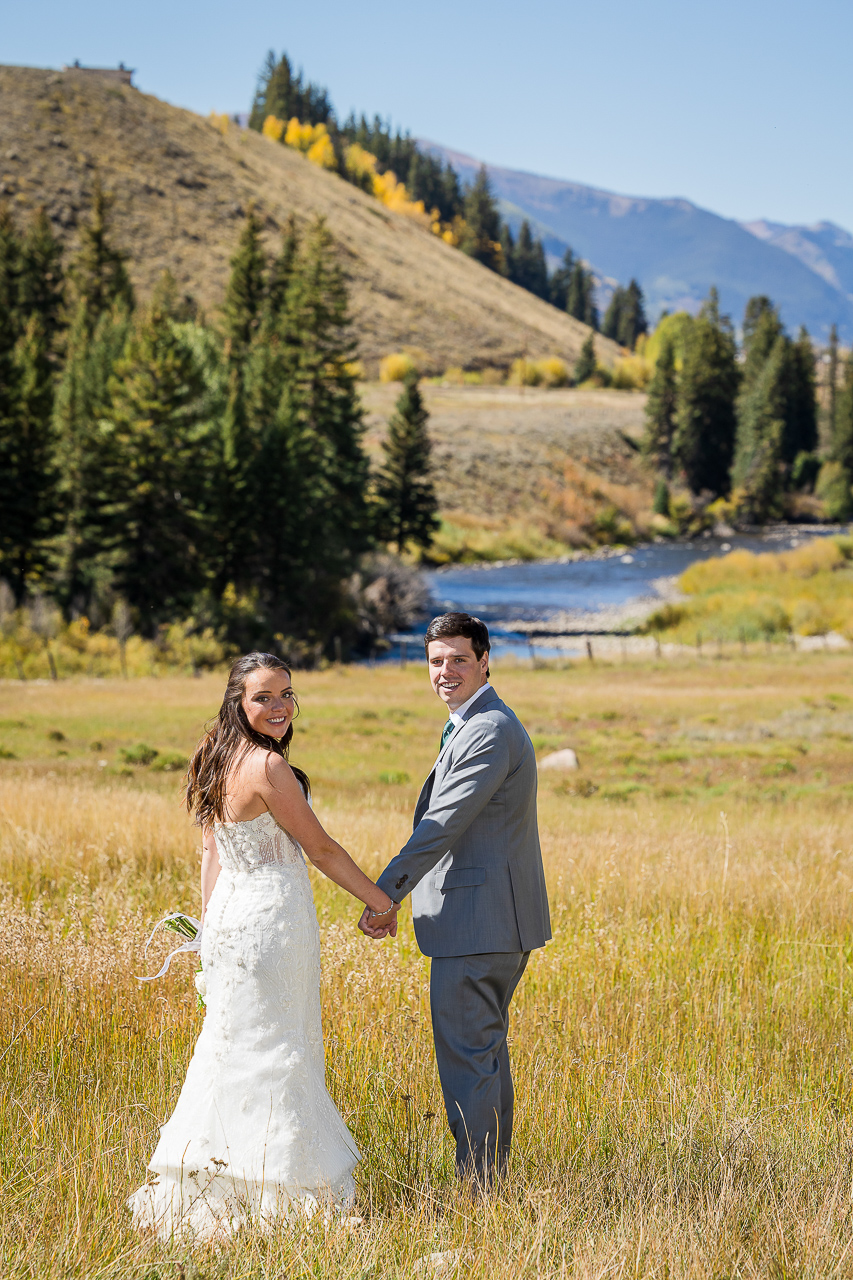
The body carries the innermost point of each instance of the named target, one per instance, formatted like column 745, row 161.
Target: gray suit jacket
column 473, row 863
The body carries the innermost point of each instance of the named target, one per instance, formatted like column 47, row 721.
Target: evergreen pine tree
column 101, row 299
column 406, row 496
column 832, row 378
column 757, row 474
column 581, row 296
column 586, row 363
column 842, row 439
column 155, row 525
column 703, row 442
column 661, row 406
column 27, row 479
column 81, row 566
column 527, row 265
column 314, row 522
column 245, row 294
column 800, row 392
column 98, row 274
column 41, row 285
column 559, row 283
column 481, row 239
column 613, row 314
column 761, row 328
column 10, row 320
column 507, row 251
column 246, row 305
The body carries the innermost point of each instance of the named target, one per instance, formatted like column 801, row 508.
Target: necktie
column 446, row 732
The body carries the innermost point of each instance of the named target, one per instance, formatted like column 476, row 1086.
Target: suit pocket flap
column 460, row 878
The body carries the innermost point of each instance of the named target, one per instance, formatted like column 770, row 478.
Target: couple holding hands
column 254, row 1134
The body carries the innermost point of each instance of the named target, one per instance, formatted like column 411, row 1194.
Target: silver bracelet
column 375, row 915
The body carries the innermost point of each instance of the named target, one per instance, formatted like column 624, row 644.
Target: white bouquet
column 187, row 927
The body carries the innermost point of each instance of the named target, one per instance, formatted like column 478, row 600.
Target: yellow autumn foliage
column 359, row 164
column 550, row 372
column 394, row 368
column 632, row 373
column 273, row 128
column 219, row 121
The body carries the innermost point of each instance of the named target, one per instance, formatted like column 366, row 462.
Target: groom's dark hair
column 448, row 625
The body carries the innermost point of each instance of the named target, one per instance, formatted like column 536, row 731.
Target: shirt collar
column 458, row 716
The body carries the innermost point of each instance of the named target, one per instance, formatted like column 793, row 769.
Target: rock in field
column 565, row 759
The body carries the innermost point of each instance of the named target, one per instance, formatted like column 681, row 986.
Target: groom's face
column 455, row 670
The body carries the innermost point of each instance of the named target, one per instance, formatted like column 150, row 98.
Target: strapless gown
column 254, row 1134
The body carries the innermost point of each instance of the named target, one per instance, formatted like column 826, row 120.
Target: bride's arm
column 209, row 869
column 286, row 801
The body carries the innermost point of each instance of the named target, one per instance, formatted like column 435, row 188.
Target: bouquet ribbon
column 188, row 926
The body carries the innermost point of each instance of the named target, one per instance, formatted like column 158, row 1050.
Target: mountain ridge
column 182, row 186
column 677, row 250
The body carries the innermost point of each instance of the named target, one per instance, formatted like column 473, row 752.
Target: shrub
column 394, row 777
column 524, row 373
column 140, row 754
column 553, row 372
column 169, row 762
column 633, row 373
column 394, row 368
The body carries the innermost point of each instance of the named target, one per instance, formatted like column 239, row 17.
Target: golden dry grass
column 681, row 1049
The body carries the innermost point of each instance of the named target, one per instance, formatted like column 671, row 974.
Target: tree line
column 154, row 462
column 471, row 212
column 744, row 424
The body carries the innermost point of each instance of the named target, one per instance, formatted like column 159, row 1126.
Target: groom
column 474, row 869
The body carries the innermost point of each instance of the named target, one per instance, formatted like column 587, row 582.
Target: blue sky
column 742, row 107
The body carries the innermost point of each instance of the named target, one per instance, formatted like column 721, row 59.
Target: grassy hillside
column 182, row 189
column 522, row 472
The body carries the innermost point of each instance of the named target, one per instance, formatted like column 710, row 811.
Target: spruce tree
column 27, row 479
column 405, row 493
column 98, row 273
column 527, row 266
column 157, row 442
column 41, row 283
column 586, row 363
column 842, row 439
column 100, row 303
column 625, row 318
column 703, row 443
column 580, row 302
column 559, row 283
column 613, row 314
column 245, row 294
column 757, row 471
column 10, row 318
column 800, row 391
column 832, row 378
column 481, row 239
column 661, row 406
column 314, row 523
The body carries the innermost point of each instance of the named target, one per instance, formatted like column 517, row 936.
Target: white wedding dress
column 254, row 1134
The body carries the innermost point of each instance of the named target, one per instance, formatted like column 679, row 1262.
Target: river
column 587, row 594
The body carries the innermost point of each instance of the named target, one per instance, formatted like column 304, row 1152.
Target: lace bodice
column 259, row 842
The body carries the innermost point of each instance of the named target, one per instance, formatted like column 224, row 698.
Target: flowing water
column 539, row 591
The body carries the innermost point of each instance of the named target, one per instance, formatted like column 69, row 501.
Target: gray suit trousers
column 469, row 1001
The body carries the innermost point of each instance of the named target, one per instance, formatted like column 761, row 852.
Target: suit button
column 401, row 882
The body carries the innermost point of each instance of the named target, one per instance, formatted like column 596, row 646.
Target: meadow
column 681, row 1049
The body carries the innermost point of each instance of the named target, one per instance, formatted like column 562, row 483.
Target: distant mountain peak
column 677, row 250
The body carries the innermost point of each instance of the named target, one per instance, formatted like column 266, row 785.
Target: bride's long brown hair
column 229, row 740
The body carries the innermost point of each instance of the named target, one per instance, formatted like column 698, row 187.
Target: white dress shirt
column 458, row 716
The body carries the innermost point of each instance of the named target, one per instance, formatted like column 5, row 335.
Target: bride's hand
column 379, row 926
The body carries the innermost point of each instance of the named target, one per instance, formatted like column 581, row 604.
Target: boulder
column 565, row 759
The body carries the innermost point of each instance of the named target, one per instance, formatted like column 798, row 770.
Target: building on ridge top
column 121, row 73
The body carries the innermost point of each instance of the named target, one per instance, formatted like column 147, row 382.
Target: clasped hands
column 377, row 924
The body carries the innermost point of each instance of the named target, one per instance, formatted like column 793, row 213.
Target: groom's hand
column 375, row 929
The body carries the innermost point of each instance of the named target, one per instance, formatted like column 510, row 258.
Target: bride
column 255, row 1133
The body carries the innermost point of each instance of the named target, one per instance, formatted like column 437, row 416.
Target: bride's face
column 269, row 702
